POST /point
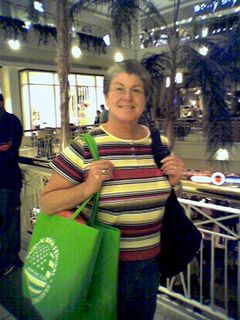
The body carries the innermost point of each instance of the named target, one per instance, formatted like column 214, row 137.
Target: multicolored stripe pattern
column 133, row 200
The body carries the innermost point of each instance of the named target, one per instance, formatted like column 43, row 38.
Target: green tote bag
column 101, row 303
column 68, row 266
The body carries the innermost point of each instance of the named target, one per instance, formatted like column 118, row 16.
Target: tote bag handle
column 91, row 143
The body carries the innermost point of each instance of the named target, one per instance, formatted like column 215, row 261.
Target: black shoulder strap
column 159, row 150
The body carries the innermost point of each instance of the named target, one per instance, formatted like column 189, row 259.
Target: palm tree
column 63, row 45
column 123, row 14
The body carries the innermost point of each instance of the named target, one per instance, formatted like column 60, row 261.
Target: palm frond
column 207, row 73
column 157, row 66
column 123, row 14
column 151, row 14
column 84, row 4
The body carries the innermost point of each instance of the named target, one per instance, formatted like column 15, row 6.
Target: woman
column 134, row 189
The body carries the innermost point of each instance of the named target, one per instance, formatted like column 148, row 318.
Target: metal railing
column 211, row 284
column 45, row 143
column 210, row 287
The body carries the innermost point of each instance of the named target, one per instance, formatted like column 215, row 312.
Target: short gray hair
column 131, row 67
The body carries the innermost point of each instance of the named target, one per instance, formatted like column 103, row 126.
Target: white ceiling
column 167, row 5
column 164, row 6
column 10, row 7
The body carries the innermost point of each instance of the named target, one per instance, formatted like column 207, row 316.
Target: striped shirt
column 133, row 200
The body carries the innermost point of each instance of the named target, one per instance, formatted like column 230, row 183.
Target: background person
column 10, row 188
column 133, row 188
column 103, row 114
column 97, row 117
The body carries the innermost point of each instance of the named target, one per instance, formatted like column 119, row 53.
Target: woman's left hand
column 173, row 167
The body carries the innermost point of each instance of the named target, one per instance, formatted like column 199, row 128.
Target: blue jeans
column 138, row 283
column 10, row 242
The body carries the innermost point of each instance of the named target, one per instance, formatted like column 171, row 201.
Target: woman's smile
column 127, row 107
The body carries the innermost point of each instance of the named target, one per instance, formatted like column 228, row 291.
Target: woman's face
column 126, row 98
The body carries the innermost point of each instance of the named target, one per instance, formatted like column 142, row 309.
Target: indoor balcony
column 43, row 144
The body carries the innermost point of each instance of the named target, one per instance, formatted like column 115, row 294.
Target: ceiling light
column 204, row 32
column 38, row 6
column 107, row 40
column 222, row 154
column 14, row 44
column 168, row 82
column 118, row 57
column 76, row 51
column 179, row 77
column 27, row 24
column 203, row 51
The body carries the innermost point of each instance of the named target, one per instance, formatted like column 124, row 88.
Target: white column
column 11, row 90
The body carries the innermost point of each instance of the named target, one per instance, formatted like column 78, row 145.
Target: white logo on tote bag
column 40, row 268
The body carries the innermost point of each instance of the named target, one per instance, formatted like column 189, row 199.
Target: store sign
column 215, row 5
column 216, row 178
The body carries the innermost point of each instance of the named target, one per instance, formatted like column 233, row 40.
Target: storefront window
column 99, row 81
column 43, row 105
column 72, row 79
column 41, row 99
column 40, row 77
column 83, row 80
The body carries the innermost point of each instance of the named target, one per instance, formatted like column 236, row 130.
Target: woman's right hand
column 60, row 194
column 99, row 171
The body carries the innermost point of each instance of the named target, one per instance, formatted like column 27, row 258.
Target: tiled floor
column 4, row 313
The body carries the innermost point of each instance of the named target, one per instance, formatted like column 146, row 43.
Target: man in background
column 10, row 188
column 103, row 115
column 97, row 117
